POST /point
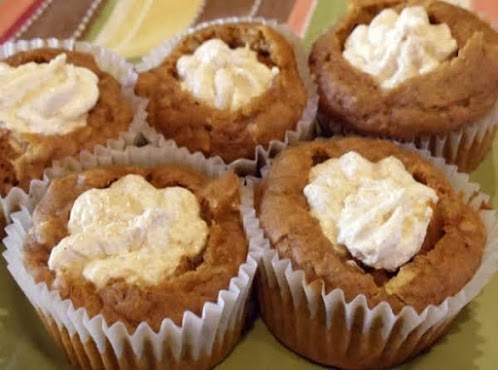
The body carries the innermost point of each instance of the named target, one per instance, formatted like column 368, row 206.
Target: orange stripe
column 300, row 15
column 11, row 11
column 487, row 7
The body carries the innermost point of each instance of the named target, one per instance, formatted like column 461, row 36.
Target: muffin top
column 369, row 218
column 138, row 244
column 444, row 86
column 225, row 89
column 57, row 103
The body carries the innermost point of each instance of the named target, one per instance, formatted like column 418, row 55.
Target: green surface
column 487, row 176
column 472, row 342
column 96, row 25
column 327, row 12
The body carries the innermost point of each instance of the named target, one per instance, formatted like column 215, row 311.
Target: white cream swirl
column 49, row 98
column 396, row 47
column 130, row 231
column 377, row 210
column 222, row 77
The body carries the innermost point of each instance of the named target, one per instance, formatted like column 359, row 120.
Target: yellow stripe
column 134, row 27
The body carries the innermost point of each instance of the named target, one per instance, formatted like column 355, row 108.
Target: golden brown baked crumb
column 229, row 134
column 450, row 255
column 195, row 282
column 457, row 93
column 25, row 156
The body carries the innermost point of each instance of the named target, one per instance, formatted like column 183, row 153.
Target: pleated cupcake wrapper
column 332, row 307
column 304, row 127
column 108, row 62
column 464, row 139
column 92, row 341
column 459, row 147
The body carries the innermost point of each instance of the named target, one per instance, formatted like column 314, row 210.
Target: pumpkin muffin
column 30, row 149
column 435, row 83
column 55, row 103
column 141, row 247
column 53, row 255
column 226, row 89
column 361, row 220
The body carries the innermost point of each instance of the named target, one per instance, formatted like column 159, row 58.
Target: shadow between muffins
column 463, row 335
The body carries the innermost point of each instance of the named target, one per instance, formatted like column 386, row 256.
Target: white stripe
column 31, row 19
column 86, row 19
column 255, row 8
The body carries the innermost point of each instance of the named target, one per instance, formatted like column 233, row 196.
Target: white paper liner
column 457, row 147
column 305, row 125
column 196, row 337
column 108, row 62
column 464, row 138
column 279, row 272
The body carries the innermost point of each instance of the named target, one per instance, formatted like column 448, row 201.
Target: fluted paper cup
column 327, row 329
column 200, row 342
column 304, row 128
column 465, row 147
column 108, row 62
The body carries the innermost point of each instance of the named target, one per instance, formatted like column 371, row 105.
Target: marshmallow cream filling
column 376, row 210
column 48, row 98
column 395, row 47
column 130, row 231
column 222, row 77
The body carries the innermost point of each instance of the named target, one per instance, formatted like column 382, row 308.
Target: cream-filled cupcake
column 414, row 71
column 55, row 103
column 371, row 251
column 59, row 98
column 141, row 267
column 229, row 89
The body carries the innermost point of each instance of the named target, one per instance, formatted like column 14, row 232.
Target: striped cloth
column 132, row 27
